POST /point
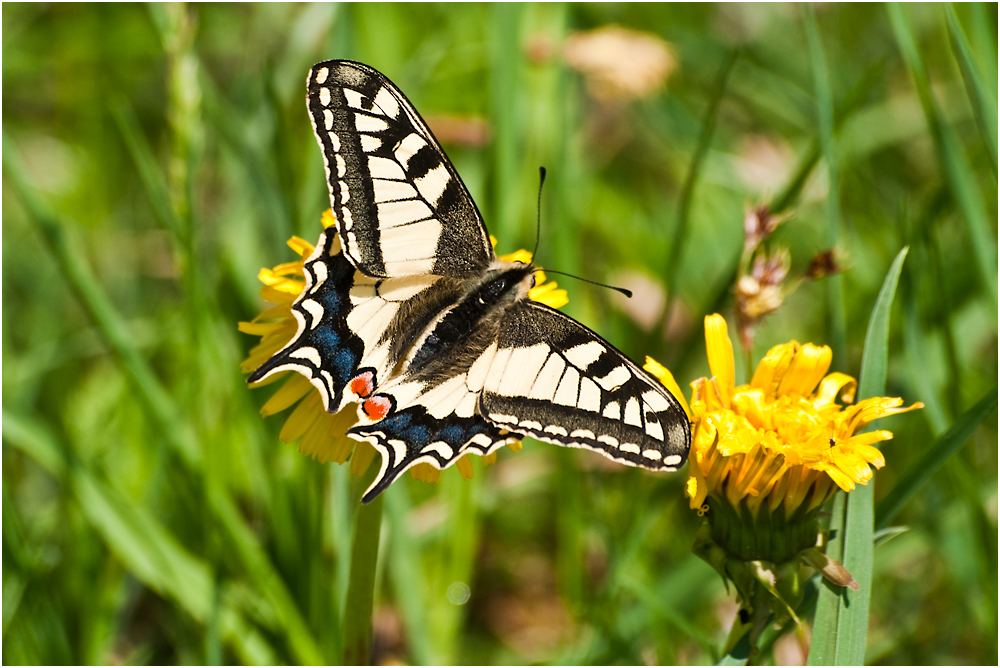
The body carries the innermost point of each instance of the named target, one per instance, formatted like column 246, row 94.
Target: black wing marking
column 555, row 380
column 432, row 423
column 401, row 207
column 324, row 349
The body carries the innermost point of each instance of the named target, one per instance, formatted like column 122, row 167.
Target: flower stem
column 361, row 590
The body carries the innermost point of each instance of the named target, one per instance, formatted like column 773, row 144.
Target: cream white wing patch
column 555, row 380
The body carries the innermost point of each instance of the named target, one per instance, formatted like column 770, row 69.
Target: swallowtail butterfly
column 408, row 312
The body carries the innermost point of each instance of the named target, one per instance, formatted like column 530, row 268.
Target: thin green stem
column 361, row 589
column 672, row 267
column 824, row 107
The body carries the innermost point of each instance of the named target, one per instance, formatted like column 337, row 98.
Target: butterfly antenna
column 538, row 238
column 538, row 219
column 627, row 293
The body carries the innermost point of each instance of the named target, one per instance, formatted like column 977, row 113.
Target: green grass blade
column 146, row 164
column 506, row 90
column 158, row 403
column 407, row 578
column 840, row 628
column 672, row 266
column 739, row 655
column 875, row 362
column 853, row 102
column 913, row 480
column 94, row 299
column 824, row 103
column 146, row 548
column 957, row 171
column 983, row 100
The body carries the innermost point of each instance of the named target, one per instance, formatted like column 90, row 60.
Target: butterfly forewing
column 401, row 207
column 555, row 380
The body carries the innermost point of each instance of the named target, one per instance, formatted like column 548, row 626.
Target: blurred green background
column 156, row 157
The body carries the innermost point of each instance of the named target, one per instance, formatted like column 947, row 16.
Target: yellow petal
column 696, row 487
column 866, row 411
column 289, row 269
column 259, row 328
column 720, row 356
column 518, row 256
column 549, row 295
column 364, row 453
column 319, row 443
column 328, row 219
column 870, row 437
column 838, row 476
column 772, row 368
column 276, row 296
column 662, row 374
column 424, row 472
column 871, row 455
column 834, row 384
column 853, row 466
column 301, row 246
column 808, row 367
column 296, row 388
column 464, row 466
column 736, row 434
column 303, row 417
column 277, row 312
column 750, row 404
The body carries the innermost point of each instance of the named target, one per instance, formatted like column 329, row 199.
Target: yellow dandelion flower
column 766, row 455
column 782, row 441
column 322, row 435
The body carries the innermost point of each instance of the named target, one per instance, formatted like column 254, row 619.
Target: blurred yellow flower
column 322, row 435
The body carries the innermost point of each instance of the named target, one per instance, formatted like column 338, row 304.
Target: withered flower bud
column 823, row 264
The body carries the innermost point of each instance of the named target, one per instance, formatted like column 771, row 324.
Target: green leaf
column 147, row 549
column 150, row 172
column 840, row 628
column 983, row 100
column 157, row 402
column 958, row 171
column 739, row 655
column 913, row 480
column 824, row 104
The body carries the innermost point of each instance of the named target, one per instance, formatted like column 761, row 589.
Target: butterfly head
column 506, row 281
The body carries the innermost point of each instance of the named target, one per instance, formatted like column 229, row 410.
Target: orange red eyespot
column 377, row 407
column 363, row 384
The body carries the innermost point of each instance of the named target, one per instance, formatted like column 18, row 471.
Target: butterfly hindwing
column 401, row 207
column 555, row 380
column 324, row 349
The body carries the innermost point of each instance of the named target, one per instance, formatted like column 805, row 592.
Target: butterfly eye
column 492, row 291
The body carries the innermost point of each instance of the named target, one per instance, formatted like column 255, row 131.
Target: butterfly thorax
column 444, row 338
